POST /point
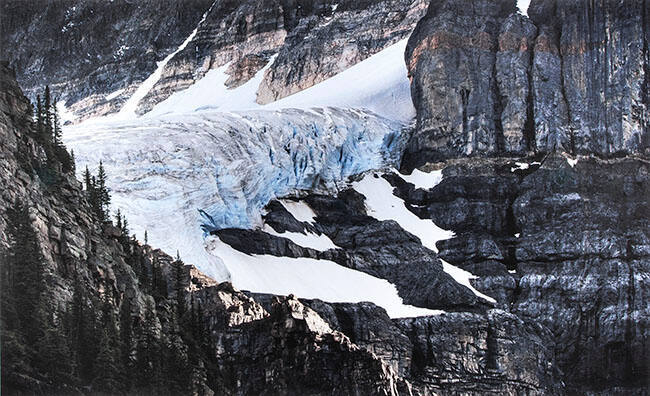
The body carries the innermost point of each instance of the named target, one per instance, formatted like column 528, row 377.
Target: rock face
column 563, row 246
column 279, row 345
column 597, row 54
column 487, row 81
column 512, row 355
column 378, row 248
column 98, row 54
column 88, row 50
column 310, row 38
column 557, row 240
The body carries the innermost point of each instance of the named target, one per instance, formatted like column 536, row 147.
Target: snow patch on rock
column 307, row 240
column 128, row 110
column 422, row 180
column 310, row 278
column 383, row 205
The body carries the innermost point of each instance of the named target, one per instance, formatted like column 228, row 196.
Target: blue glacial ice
column 178, row 174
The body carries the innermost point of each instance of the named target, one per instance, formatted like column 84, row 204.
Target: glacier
column 171, row 174
column 209, row 158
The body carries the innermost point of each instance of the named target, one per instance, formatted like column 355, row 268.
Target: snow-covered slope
column 210, row 157
column 171, row 175
column 379, row 84
column 128, row 110
column 309, row 278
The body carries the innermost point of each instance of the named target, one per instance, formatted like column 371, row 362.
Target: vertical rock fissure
column 645, row 135
column 498, row 108
column 464, row 95
column 529, row 125
column 557, row 142
column 629, row 321
column 492, row 348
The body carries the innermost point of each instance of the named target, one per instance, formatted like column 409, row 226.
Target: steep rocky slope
column 88, row 50
column 540, row 129
column 241, row 344
column 98, row 54
column 564, row 246
column 289, row 346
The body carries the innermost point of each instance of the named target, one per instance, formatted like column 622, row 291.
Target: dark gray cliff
column 559, row 239
column 487, row 81
column 89, row 49
column 564, row 246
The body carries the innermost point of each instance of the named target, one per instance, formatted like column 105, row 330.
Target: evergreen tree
column 107, row 373
column 47, row 113
column 147, row 372
column 125, row 228
column 176, row 369
column 126, row 343
column 26, row 262
column 73, row 161
column 94, row 199
column 84, row 333
column 144, row 270
column 103, row 193
column 178, row 274
column 56, row 127
column 87, row 180
column 118, row 219
column 52, row 356
column 39, row 115
column 158, row 282
column 146, row 238
column 15, row 353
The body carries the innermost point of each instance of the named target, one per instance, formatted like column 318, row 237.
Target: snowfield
column 378, row 84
